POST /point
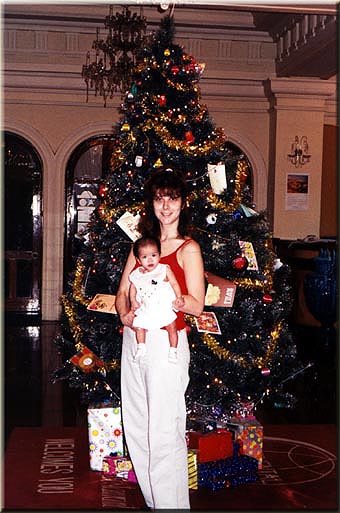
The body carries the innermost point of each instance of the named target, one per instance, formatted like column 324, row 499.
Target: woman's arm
column 192, row 262
column 173, row 282
column 123, row 306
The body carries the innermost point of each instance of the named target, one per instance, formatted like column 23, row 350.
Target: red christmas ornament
column 162, row 100
column 267, row 298
column 265, row 371
column 174, row 70
column 239, row 263
column 243, row 176
column 102, row 190
column 189, row 138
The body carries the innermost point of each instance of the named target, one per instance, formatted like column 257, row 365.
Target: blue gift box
column 229, row 472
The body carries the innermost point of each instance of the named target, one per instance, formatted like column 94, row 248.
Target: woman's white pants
column 154, row 417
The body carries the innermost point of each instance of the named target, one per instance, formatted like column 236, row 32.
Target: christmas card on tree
column 103, row 303
column 207, row 322
column 249, row 253
column 217, row 177
column 128, row 223
column 220, row 292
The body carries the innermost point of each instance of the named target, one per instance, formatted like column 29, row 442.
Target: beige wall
column 44, row 102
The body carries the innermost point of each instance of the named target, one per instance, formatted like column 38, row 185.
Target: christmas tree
column 241, row 347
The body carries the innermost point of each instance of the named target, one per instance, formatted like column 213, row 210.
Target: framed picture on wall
column 297, row 191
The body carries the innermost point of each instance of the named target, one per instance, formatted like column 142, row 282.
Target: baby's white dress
column 155, row 297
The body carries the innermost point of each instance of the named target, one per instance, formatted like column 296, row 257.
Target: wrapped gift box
column 249, row 433
column 118, row 466
column 215, row 445
column 105, row 433
column 229, row 472
column 192, row 469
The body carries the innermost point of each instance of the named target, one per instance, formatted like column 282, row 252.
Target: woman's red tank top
column 178, row 271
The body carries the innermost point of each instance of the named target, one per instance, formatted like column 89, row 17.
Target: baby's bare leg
column 140, row 335
column 173, row 339
column 172, row 332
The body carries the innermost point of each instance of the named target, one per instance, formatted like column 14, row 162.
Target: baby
column 154, row 293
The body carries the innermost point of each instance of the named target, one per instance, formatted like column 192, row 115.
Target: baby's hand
column 179, row 302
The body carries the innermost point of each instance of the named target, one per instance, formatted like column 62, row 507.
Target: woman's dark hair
column 170, row 182
column 146, row 241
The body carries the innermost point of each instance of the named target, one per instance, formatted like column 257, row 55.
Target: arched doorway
column 87, row 165
column 23, row 225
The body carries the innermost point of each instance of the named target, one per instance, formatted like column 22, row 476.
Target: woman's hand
column 127, row 318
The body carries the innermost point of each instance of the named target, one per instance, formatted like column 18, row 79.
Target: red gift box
column 216, row 445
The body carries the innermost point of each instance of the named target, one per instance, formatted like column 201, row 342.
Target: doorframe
column 27, row 304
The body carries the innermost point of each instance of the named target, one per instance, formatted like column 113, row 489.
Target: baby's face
column 149, row 257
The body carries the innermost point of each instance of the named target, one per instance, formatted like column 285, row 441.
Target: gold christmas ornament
column 125, row 127
column 158, row 163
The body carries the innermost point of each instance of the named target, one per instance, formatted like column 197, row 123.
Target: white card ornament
column 248, row 252
column 217, row 177
column 103, row 303
column 277, row 264
column 128, row 223
column 138, row 161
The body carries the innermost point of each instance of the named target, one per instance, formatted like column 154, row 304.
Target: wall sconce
column 299, row 153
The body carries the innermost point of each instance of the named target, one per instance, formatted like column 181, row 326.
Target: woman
column 152, row 388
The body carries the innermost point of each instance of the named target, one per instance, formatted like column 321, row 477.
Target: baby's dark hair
column 146, row 241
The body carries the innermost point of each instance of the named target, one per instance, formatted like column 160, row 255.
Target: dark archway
column 23, row 225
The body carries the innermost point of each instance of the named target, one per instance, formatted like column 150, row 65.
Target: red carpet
column 48, row 469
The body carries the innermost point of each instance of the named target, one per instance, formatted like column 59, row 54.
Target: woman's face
column 167, row 206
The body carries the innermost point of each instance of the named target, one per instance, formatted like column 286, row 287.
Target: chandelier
column 116, row 56
column 299, row 153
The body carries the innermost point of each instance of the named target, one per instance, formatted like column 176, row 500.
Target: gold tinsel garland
column 166, row 118
column 178, row 86
column 107, row 213
column 78, row 284
column 74, row 327
column 225, row 354
column 118, row 156
column 177, row 144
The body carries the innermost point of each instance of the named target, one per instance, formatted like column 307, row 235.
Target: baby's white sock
column 141, row 350
column 172, row 357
